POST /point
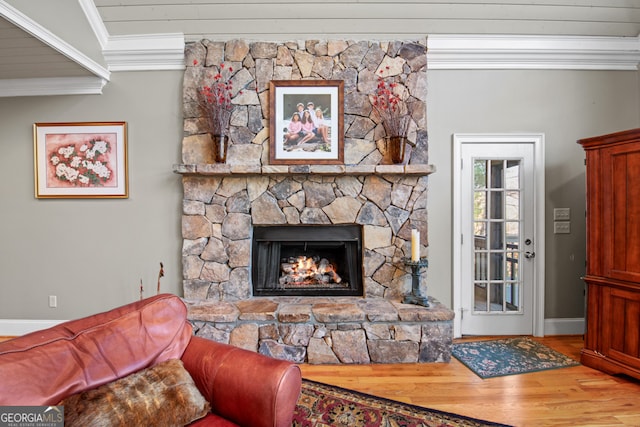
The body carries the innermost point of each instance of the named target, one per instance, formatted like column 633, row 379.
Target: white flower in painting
column 83, row 179
column 90, row 154
column 72, row 174
column 100, row 169
column 55, row 160
column 100, row 147
column 60, row 170
column 75, row 162
column 65, row 172
column 66, row 151
column 84, row 148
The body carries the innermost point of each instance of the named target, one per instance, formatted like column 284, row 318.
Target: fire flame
column 303, row 270
column 306, row 264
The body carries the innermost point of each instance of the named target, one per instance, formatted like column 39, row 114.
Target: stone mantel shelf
column 353, row 170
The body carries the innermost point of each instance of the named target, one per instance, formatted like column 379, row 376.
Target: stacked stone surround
column 222, row 202
column 219, row 213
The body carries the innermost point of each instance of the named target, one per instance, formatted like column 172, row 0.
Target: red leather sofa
column 243, row 388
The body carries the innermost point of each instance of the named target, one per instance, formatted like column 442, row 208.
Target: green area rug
column 510, row 356
column 322, row 405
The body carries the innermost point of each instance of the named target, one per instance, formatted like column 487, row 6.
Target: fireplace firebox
column 311, row 260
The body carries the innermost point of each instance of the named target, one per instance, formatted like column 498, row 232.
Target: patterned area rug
column 322, row 405
column 509, row 356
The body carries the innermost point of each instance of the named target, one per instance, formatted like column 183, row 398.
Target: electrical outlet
column 562, row 214
column 562, row 227
column 53, row 301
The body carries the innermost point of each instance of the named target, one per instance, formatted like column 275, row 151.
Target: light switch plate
column 562, row 227
column 561, row 214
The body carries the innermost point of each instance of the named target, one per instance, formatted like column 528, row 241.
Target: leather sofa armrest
column 247, row 388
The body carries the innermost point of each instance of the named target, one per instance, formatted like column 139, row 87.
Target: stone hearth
column 222, row 202
column 330, row 330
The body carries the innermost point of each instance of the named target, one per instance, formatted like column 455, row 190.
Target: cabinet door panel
column 621, row 325
column 622, row 213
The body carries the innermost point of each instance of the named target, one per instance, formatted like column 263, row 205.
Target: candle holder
column 416, row 296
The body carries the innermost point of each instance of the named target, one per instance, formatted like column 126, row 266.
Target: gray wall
column 565, row 106
column 93, row 253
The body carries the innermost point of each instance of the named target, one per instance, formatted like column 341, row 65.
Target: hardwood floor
column 576, row 396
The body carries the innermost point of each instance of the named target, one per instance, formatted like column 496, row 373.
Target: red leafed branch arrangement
column 390, row 107
column 215, row 101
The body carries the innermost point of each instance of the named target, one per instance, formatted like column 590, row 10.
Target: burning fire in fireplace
column 309, row 272
column 307, row 260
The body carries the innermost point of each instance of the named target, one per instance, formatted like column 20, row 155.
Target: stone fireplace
column 231, row 276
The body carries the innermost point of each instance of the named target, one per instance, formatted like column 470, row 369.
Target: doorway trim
column 537, row 139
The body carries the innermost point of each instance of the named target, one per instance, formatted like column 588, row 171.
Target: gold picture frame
column 81, row 160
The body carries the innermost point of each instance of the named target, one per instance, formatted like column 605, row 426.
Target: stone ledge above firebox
column 221, row 169
column 329, row 330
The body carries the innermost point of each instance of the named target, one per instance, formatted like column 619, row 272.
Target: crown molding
column 52, row 86
column 95, row 21
column 474, row 52
column 166, row 52
column 145, row 52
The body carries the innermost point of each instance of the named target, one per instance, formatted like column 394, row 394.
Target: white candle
column 415, row 245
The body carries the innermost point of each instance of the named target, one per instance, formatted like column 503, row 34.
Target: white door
column 500, row 244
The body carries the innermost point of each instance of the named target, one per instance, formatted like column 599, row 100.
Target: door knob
column 529, row 255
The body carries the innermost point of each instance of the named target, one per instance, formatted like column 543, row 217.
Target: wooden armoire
column 612, row 339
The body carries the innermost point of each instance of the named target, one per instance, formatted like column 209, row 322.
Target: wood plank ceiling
column 262, row 19
column 23, row 56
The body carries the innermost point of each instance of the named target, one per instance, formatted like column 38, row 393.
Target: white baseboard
column 16, row 327
column 564, row 326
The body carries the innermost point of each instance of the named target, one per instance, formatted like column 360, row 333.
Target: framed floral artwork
column 81, row 160
column 306, row 122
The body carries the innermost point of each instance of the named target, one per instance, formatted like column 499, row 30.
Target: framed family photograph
column 306, row 122
column 81, row 160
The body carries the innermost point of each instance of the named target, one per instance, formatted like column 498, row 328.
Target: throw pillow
column 163, row 395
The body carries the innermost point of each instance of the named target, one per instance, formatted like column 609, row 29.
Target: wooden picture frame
column 81, row 160
column 326, row 145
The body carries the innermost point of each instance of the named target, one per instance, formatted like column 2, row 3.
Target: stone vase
column 220, row 147
column 395, row 146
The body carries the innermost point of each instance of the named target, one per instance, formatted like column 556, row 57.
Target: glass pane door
column 497, row 230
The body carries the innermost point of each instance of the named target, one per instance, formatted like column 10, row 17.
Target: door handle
column 529, row 255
